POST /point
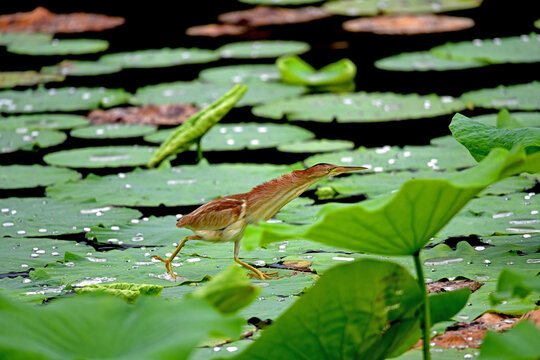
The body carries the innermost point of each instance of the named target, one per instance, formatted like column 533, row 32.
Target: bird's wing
column 216, row 214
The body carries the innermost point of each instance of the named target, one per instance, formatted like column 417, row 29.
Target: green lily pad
column 537, row 24
column 24, row 139
column 25, row 216
column 81, row 68
column 373, row 7
column 424, row 61
column 61, row 99
column 243, row 136
column 43, row 122
column 296, row 71
column 316, row 146
column 280, row 2
column 516, row 49
column 160, row 57
column 10, row 79
column 527, row 119
column 513, row 97
column 360, row 107
column 29, row 176
column 59, row 47
column 202, row 94
column 112, row 131
column 262, row 49
column 183, row 185
column 236, row 74
column 512, row 284
column 101, row 157
column 7, row 38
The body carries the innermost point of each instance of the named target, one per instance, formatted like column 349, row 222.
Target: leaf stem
column 199, row 149
column 426, row 318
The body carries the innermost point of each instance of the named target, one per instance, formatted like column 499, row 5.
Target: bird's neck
column 265, row 200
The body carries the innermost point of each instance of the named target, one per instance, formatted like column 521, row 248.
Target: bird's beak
column 343, row 169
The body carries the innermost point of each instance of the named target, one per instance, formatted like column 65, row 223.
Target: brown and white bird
column 225, row 219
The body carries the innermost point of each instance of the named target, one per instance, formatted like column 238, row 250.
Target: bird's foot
column 265, row 276
column 167, row 265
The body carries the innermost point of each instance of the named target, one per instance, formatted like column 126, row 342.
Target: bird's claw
column 167, row 266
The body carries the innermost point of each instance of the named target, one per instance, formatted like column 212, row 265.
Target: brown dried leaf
column 215, row 30
column 42, row 20
column 167, row 114
column 408, row 24
column 300, row 265
column 266, row 15
column 534, row 316
column 442, row 286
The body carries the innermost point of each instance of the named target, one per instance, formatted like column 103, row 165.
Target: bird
column 224, row 219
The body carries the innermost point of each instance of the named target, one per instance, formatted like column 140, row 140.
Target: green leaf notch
column 10, row 79
column 159, row 57
column 30, row 176
column 520, row 343
column 84, row 325
column 59, row 47
column 197, row 125
column 333, row 77
column 512, row 97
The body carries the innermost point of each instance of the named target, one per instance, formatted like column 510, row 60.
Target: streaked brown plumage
column 224, row 219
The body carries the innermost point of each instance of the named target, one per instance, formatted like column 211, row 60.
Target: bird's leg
column 257, row 272
column 171, row 258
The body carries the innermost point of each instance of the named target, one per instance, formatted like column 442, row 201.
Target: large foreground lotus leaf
column 360, row 107
column 59, row 47
column 262, row 49
column 29, row 176
column 182, row 185
column 526, row 119
column 113, row 131
column 346, row 317
column 401, row 223
column 43, row 122
column 84, row 325
column 520, row 343
column 7, row 38
column 513, row 97
column 516, row 49
column 22, row 217
column 480, row 139
column 236, row 74
column 316, row 146
column 101, row 157
column 81, row 68
column 243, row 136
column 24, row 139
column 424, row 61
column 10, row 79
column 160, row 58
column 296, row 71
column 62, row 99
column 372, row 7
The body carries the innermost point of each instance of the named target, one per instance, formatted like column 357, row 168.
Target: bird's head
column 324, row 170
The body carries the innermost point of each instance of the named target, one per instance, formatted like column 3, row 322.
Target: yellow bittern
column 225, row 218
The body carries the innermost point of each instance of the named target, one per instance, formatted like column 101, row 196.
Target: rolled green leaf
column 197, row 125
column 296, row 71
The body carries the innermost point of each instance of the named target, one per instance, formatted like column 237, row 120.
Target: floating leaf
column 373, row 7
column 513, row 97
column 480, row 139
column 21, row 37
column 520, row 343
column 43, row 122
column 101, row 157
column 424, row 61
column 112, row 131
column 23, row 139
column 526, row 119
column 43, row 20
column 243, row 136
column 236, row 74
column 81, row 68
column 294, row 70
column 216, row 30
column 59, row 47
column 9, row 79
column 145, row 330
column 272, row 15
column 316, row 145
column 25, row 216
column 166, row 114
column 29, row 176
column 198, row 93
column 184, row 185
column 516, row 49
column 61, row 99
column 360, row 107
column 127, row 291
column 280, row 2
column 160, row 57
column 408, row 24
column 262, row 49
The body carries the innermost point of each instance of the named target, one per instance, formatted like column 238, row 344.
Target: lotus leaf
column 512, row 97
column 81, row 68
column 262, row 49
column 513, row 284
column 294, row 70
column 112, row 131
column 160, row 57
column 23, row 139
column 62, row 99
column 316, row 145
column 520, row 343
column 424, row 61
column 236, row 74
column 7, row 38
column 280, row 2
column 526, row 119
column 43, row 122
column 29, row 176
column 24, row 216
column 372, row 7
column 59, row 47
column 10, row 79
column 101, row 157
column 360, row 107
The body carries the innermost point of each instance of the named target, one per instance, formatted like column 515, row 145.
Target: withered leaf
column 167, row 114
column 442, row 286
column 266, row 15
column 216, row 30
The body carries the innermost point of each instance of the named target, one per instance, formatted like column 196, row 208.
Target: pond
column 89, row 197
